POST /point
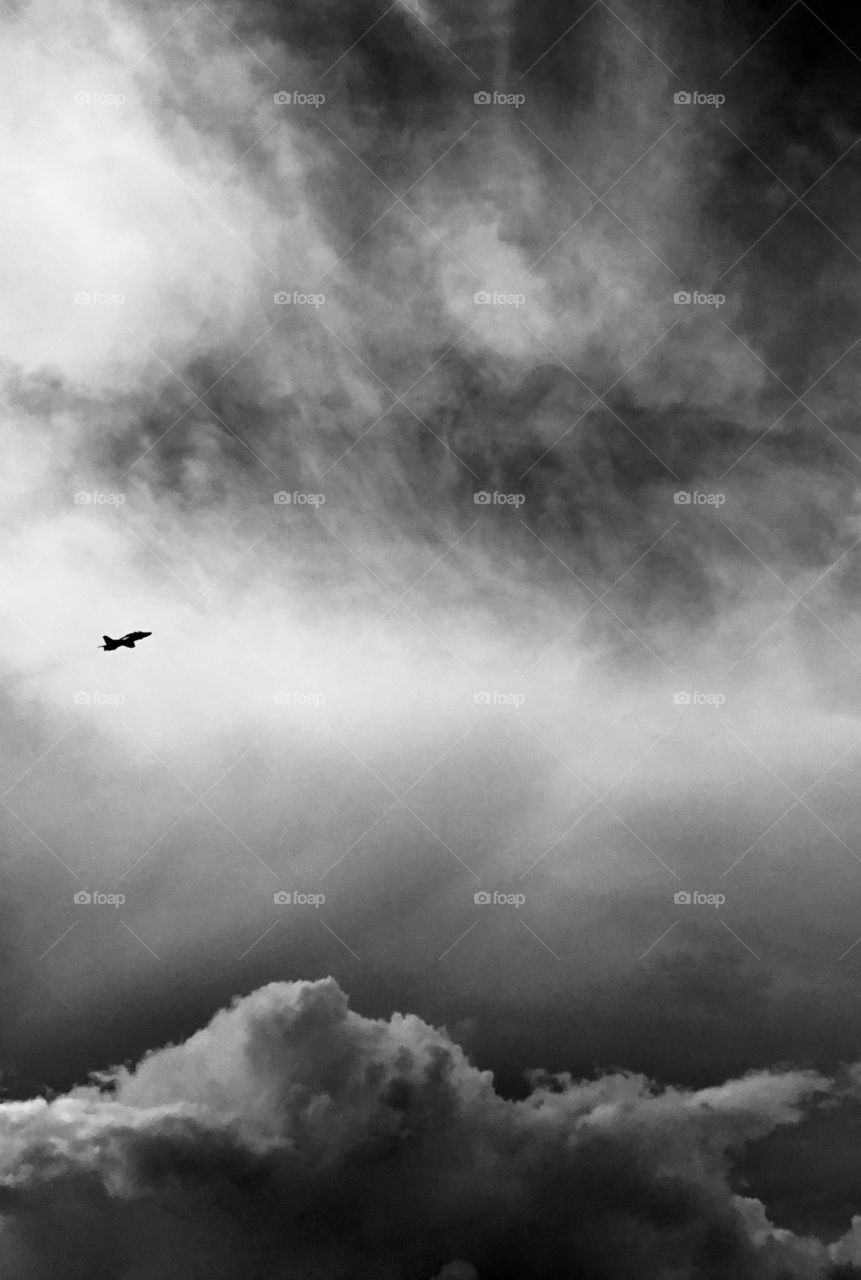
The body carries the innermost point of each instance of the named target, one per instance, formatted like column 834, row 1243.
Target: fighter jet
column 128, row 641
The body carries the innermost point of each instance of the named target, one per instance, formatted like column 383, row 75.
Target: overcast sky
column 466, row 403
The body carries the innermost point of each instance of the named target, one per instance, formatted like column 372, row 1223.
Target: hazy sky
column 374, row 400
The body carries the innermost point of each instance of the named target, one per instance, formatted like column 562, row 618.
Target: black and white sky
column 463, row 881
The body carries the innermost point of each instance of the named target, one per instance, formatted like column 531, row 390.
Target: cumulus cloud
column 292, row 1136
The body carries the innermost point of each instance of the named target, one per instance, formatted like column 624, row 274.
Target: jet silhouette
column 128, row 641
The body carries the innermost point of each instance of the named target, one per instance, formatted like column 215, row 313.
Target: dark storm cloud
column 292, row 1134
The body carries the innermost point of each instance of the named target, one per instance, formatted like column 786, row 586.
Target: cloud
column 197, row 196
column 194, row 198
column 293, row 1136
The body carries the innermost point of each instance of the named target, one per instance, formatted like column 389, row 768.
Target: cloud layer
column 196, row 198
column 292, row 1136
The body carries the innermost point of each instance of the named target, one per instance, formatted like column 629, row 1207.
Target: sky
column 465, row 402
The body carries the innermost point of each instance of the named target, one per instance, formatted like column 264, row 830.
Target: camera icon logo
column 482, row 498
column 281, row 99
column 281, row 298
column 682, row 99
column 280, row 898
column 481, row 98
column 82, row 499
column 482, row 898
column 682, row 898
column 82, row 699
column 82, row 898
column 682, row 298
column 682, row 699
column 482, row 298
column 682, row 498
column 281, row 499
